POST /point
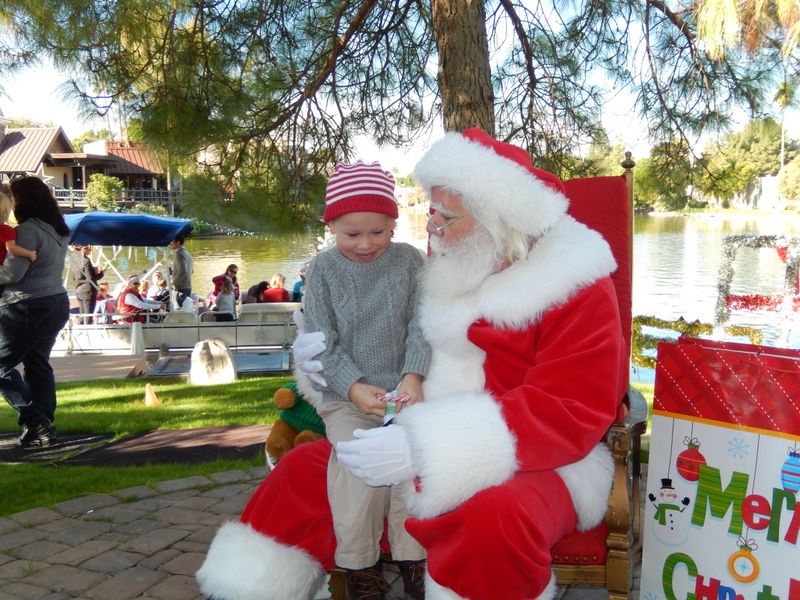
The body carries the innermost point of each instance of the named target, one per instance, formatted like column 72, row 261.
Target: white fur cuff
column 589, row 483
column 460, row 445
column 242, row 564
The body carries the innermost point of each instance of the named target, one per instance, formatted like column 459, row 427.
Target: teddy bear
column 298, row 421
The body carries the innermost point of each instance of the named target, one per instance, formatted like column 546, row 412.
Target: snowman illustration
column 670, row 526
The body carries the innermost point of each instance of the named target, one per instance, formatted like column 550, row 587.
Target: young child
column 105, row 304
column 362, row 295
column 225, row 306
column 8, row 235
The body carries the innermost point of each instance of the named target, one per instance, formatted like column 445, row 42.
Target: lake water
column 676, row 264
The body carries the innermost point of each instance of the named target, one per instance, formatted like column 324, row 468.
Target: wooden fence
column 75, row 200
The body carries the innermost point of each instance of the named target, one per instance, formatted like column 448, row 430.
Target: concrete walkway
column 139, row 542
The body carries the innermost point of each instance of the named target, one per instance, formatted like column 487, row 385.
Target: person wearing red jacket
column 276, row 292
column 130, row 301
column 231, row 273
column 506, row 452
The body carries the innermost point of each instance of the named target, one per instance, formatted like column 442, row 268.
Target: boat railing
column 272, row 327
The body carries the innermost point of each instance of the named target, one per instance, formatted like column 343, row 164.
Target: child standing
column 362, row 295
column 8, row 235
column 225, row 307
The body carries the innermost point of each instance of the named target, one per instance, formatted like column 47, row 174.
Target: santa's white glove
column 305, row 347
column 379, row 456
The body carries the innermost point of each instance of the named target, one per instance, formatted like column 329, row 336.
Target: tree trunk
column 465, row 84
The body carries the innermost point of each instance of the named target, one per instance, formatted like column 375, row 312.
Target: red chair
column 606, row 555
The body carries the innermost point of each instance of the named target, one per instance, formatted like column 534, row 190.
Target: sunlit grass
column 40, row 485
column 116, row 406
column 647, row 390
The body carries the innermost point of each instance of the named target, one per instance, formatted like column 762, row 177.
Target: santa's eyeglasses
column 435, row 229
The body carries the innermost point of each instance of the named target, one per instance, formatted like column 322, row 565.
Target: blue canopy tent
column 124, row 229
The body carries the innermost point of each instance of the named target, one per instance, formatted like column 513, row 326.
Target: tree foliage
column 263, row 90
column 24, row 123
column 101, row 193
column 731, row 166
column 90, row 136
column 789, row 180
column 752, row 23
column 663, row 180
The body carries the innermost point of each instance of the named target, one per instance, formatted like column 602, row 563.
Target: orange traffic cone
column 150, row 398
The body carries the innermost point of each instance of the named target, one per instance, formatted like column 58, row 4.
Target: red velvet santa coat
column 525, row 376
column 524, row 382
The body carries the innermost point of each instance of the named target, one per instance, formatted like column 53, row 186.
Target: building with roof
column 46, row 152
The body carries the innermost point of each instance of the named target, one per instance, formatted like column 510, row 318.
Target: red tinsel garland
column 761, row 302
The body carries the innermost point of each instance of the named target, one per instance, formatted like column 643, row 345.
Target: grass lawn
column 117, row 406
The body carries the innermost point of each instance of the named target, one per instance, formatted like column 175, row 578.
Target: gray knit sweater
column 368, row 312
column 24, row 280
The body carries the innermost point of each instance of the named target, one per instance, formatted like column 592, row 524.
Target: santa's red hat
column 495, row 180
column 362, row 187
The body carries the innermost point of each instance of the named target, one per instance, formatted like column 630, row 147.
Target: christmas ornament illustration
column 790, row 472
column 742, row 565
column 689, row 460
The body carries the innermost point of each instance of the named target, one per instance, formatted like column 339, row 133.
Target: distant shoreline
column 753, row 214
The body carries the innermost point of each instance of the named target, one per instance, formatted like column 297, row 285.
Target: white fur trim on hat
column 460, row 445
column 589, row 483
column 242, row 564
column 491, row 185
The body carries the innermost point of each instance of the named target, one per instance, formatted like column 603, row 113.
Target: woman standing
column 86, row 284
column 33, row 309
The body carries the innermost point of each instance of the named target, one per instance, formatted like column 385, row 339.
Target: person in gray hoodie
column 34, row 307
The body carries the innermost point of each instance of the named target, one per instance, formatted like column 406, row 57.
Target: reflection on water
column 676, row 262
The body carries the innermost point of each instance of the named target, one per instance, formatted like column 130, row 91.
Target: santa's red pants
column 494, row 545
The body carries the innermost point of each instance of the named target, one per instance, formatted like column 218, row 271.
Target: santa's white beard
column 460, row 268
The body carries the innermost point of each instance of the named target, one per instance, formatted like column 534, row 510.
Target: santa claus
column 506, row 450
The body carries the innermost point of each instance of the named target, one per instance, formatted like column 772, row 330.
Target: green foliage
column 23, row 123
column 789, row 180
column 407, row 180
column 662, row 180
column 46, row 486
column 149, row 208
column 116, row 406
column 759, row 143
column 723, row 175
column 732, row 166
column 257, row 89
column 90, row 136
column 267, row 200
column 101, row 193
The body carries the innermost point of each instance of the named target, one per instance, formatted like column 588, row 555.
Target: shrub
column 101, row 193
column 149, row 208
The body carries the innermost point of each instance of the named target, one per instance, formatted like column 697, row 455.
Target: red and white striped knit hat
column 362, row 187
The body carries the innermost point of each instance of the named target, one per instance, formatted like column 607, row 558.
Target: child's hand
column 411, row 386
column 367, row 398
column 34, row 256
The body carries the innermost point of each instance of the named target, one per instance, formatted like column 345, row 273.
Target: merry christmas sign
column 722, row 517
